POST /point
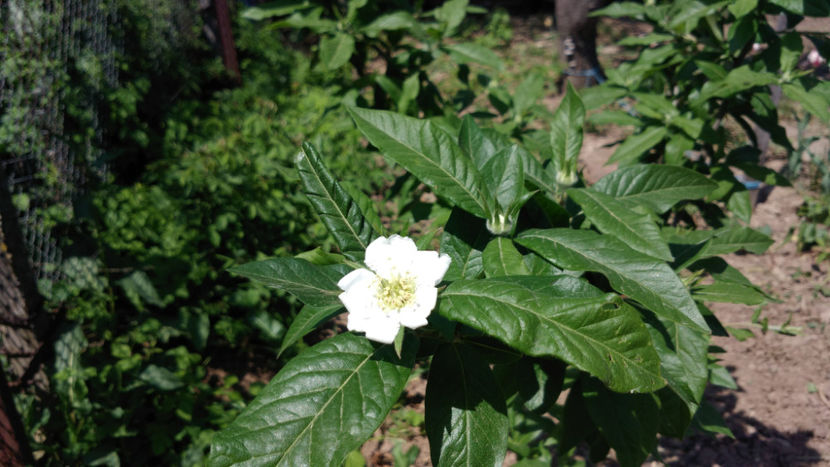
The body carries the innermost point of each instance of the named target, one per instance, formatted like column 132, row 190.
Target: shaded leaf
column 323, row 404
column 599, row 335
column 307, row 320
column 647, row 280
column 466, row 417
column 341, row 215
column 313, row 285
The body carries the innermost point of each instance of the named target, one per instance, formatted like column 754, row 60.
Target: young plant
column 538, row 288
column 705, row 73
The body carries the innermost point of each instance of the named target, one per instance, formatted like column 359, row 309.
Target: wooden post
column 226, row 37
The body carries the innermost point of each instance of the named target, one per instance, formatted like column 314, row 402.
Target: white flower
column 399, row 289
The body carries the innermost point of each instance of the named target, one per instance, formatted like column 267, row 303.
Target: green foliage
column 697, row 94
column 558, row 300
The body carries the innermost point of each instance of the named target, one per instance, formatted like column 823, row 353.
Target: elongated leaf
column 336, row 51
column 337, row 210
column 728, row 293
column 390, row 22
column 476, row 143
column 367, row 207
column 307, row 320
column 613, row 217
column 732, row 239
column 599, row 335
column 804, row 7
column 683, row 357
column 467, row 52
column 740, row 8
column 323, row 404
column 813, row 102
column 634, row 146
column 501, row 258
column 618, row 9
column 464, row 238
column 428, row 153
column 737, row 80
column 566, row 128
column 466, row 417
column 628, row 422
column 647, row 280
column 658, row 186
column 504, row 177
column 313, row 285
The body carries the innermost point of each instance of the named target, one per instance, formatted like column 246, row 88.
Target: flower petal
column 383, row 328
column 388, row 257
column 357, row 278
column 430, row 267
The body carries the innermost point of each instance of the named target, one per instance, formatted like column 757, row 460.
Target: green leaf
column 763, row 174
column 467, row 52
column 466, row 417
column 335, row 51
column 367, row 207
column 614, row 117
column 657, row 186
column 599, row 335
column 727, row 292
column 504, row 176
column 464, row 238
column 529, row 91
column 732, row 239
column 307, row 320
column 647, row 40
column 628, row 422
column 683, row 357
column 613, row 217
column 740, row 8
column 139, row 290
column 812, row 102
column 501, row 258
column 274, row 8
column 323, row 404
column 647, row 280
column 708, row 419
column 451, row 14
column 740, row 204
column 737, row 80
column 160, row 378
column 337, row 210
column 566, row 131
column 426, row 152
column 394, row 21
column 620, row 9
column 313, row 285
column 476, row 143
column 635, row 145
column 804, row 7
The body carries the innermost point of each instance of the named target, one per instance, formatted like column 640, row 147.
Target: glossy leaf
column 635, row 145
column 306, row 321
column 466, row 417
column 477, row 144
column 504, row 176
column 467, row 52
column 628, row 422
column 683, row 357
column 428, row 153
column 647, row 280
column 341, row 215
column 728, row 293
column 657, row 186
column 598, row 335
column 323, row 404
column 613, row 217
column 566, row 129
column 501, row 258
column 313, row 285
column 464, row 238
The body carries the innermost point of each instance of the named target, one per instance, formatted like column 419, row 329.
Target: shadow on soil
column 755, row 443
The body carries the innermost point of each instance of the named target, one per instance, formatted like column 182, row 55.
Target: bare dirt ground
column 780, row 413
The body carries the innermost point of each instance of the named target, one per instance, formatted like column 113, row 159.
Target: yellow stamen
column 395, row 293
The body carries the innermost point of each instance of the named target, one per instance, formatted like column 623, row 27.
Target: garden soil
column 780, row 413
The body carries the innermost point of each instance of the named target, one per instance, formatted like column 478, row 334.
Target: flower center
column 396, row 293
